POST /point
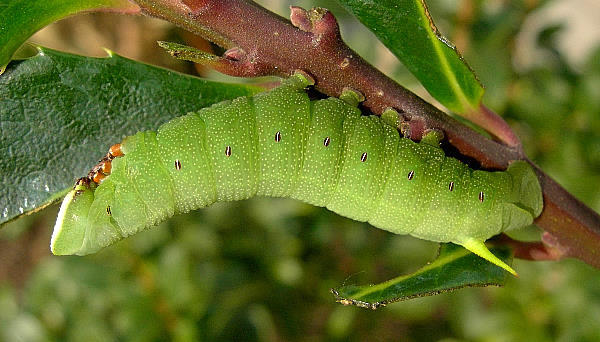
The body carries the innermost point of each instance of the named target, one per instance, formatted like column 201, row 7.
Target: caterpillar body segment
column 280, row 143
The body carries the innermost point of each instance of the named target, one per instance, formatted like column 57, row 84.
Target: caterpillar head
column 72, row 233
column 67, row 237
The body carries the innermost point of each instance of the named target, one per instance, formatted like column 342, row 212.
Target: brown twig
column 262, row 43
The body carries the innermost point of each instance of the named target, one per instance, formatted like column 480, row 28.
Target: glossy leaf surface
column 19, row 19
column 407, row 29
column 454, row 268
column 59, row 114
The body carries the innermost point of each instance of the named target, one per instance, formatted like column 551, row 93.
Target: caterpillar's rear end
column 281, row 144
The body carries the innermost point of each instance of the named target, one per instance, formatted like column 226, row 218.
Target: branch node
column 299, row 18
column 324, row 23
column 235, row 61
column 318, row 21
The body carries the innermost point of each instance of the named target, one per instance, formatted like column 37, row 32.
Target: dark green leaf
column 454, row 268
column 19, row 19
column 406, row 28
column 59, row 113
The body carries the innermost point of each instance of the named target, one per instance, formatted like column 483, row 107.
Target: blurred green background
column 261, row 270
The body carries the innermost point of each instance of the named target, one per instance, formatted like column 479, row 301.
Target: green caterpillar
column 280, row 143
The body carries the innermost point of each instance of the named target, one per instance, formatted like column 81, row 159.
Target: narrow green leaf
column 188, row 53
column 406, row 28
column 59, row 114
column 454, row 268
column 19, row 19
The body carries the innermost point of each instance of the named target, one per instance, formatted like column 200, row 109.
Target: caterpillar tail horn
column 478, row 247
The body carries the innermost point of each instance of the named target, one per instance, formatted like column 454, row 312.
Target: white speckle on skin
column 5, row 212
column 46, row 188
column 21, row 210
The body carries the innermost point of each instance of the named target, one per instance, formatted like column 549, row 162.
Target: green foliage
column 77, row 107
column 21, row 18
column 407, row 29
column 454, row 268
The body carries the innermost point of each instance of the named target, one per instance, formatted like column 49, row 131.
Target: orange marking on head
column 106, row 167
column 115, row 150
column 98, row 177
